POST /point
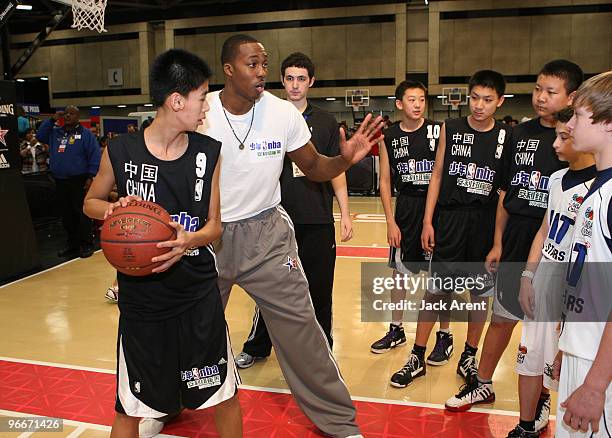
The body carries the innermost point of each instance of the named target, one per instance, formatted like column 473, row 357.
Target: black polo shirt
column 310, row 202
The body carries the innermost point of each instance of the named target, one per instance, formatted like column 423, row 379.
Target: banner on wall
column 9, row 148
column 19, row 251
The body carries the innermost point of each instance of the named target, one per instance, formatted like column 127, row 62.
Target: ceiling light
column 44, row 78
column 95, row 107
column 20, row 80
column 391, row 97
column 121, row 106
column 24, row 7
column 508, row 95
column 330, row 98
column 148, row 104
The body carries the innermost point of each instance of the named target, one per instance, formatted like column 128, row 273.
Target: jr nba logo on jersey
column 199, row 185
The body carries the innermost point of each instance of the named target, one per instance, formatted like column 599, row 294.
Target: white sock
column 446, row 330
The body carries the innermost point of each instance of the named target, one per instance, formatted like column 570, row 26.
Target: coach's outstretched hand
column 362, row 141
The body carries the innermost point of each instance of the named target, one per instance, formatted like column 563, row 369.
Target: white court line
column 362, row 257
column 43, row 271
column 78, row 431
column 80, row 425
column 57, row 365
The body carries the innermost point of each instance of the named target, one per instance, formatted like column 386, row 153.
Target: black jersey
column 182, row 187
column 309, row 202
column 412, row 156
column 473, row 162
column 529, row 164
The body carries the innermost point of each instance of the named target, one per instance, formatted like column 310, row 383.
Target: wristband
column 528, row 274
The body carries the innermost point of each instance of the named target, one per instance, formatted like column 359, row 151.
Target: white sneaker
column 542, row 414
column 112, row 294
column 473, row 392
column 149, row 427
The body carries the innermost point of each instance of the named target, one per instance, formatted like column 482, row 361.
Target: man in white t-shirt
column 258, row 249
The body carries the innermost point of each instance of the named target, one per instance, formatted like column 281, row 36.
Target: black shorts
column 181, row 362
column 463, row 238
column 409, row 257
column 516, row 244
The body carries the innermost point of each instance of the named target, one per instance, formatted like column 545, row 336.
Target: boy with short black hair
column 544, row 276
column 173, row 348
column 522, row 203
column 585, row 393
column 406, row 163
column 463, row 188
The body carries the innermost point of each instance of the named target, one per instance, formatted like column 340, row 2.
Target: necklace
column 240, row 142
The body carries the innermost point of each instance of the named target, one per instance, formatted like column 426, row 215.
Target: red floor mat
column 88, row 396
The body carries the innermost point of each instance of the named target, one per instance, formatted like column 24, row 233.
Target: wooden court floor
column 60, row 318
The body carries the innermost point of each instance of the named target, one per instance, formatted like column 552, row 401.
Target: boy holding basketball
column 189, row 364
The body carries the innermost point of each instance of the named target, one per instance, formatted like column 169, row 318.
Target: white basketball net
column 88, row 14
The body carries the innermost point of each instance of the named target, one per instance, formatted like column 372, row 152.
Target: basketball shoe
column 443, row 349
column 467, row 366
column 519, row 432
column 471, row 393
column 542, row 413
column 414, row 367
column 245, row 360
column 394, row 337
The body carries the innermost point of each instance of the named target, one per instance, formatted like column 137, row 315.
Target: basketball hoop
column 88, row 14
column 454, row 97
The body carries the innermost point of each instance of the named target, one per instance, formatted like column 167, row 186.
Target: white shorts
column 573, row 372
column 537, row 351
column 540, row 336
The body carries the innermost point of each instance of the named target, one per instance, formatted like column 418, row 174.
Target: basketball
column 129, row 237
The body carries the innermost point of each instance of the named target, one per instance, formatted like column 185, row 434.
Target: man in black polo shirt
column 309, row 205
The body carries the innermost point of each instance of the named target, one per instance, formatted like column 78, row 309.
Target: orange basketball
column 129, row 237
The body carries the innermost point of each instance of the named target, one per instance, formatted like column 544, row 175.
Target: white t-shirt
column 249, row 180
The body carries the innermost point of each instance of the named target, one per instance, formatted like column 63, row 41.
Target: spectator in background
column 131, row 128
column 34, row 154
column 146, row 123
column 387, row 121
column 74, row 161
column 103, row 142
column 23, row 123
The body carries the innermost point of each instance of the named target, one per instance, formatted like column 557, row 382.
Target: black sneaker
column 86, row 251
column 519, row 432
column 442, row 351
column 471, row 393
column 467, row 366
column 542, row 414
column 68, row 251
column 415, row 367
column 394, row 337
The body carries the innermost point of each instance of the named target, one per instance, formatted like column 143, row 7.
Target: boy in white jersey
column 585, row 395
column 544, row 275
